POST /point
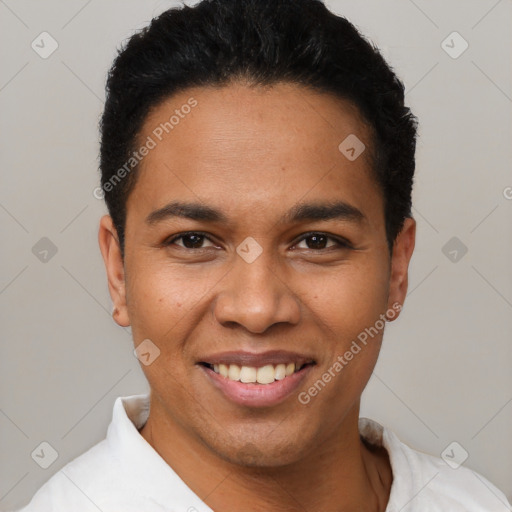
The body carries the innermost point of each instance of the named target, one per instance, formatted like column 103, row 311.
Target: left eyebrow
column 299, row 213
column 324, row 211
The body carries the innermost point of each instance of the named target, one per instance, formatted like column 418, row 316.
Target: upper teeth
column 263, row 375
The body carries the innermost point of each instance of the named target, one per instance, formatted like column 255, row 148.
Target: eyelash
column 341, row 243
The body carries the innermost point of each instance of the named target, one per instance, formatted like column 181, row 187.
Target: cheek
column 163, row 307
column 350, row 307
column 351, row 298
column 164, row 299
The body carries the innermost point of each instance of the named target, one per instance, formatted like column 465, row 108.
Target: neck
column 339, row 475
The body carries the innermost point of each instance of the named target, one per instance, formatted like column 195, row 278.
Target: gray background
column 444, row 373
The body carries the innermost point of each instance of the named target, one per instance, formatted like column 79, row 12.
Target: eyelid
column 341, row 241
column 170, row 240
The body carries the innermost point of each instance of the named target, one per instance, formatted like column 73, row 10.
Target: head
column 277, row 137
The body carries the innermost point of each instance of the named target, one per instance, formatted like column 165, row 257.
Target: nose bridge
column 254, row 295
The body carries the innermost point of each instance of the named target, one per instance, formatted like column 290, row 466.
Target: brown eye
column 190, row 241
column 320, row 241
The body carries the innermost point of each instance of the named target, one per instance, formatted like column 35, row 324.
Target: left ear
column 402, row 252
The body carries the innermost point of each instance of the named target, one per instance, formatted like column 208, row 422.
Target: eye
column 315, row 241
column 320, row 241
column 191, row 240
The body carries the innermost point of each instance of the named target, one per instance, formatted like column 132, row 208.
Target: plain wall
column 444, row 373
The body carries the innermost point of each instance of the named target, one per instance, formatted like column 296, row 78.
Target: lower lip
column 257, row 395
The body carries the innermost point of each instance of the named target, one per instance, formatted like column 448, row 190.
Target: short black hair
column 262, row 42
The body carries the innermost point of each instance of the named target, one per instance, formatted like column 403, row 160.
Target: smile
column 256, row 380
column 250, row 374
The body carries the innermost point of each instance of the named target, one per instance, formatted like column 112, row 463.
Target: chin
column 254, row 453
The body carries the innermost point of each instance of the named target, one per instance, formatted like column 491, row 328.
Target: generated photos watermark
column 157, row 135
column 304, row 397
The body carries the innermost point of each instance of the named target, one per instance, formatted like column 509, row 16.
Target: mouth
column 257, row 380
column 266, row 374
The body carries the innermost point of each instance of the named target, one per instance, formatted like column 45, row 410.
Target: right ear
column 114, row 265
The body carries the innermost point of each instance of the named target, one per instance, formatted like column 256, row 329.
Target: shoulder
column 109, row 474
column 424, row 482
column 96, row 480
column 75, row 483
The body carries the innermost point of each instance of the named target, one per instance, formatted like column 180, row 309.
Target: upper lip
column 242, row 358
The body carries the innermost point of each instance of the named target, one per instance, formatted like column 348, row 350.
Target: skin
column 254, row 153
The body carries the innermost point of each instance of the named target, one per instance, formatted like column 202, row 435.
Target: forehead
column 255, row 147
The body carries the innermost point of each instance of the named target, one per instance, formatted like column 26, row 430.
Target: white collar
column 159, row 480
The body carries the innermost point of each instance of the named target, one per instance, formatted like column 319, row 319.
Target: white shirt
column 123, row 473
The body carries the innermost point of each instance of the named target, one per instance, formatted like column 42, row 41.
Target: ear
column 402, row 252
column 114, row 265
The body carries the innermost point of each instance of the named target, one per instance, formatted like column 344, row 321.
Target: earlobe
column 114, row 265
column 402, row 253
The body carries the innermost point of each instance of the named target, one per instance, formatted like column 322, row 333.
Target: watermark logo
column 146, row 352
column 454, row 249
column 44, row 45
column 44, row 250
column 351, row 147
column 454, row 45
column 249, row 250
column 44, row 455
column 454, row 455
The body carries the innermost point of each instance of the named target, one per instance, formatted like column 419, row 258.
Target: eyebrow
column 299, row 213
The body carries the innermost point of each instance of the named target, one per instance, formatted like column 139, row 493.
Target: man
column 257, row 161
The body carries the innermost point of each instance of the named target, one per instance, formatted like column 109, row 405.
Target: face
column 256, row 248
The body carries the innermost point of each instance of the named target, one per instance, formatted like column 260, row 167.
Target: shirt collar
column 147, row 469
column 158, row 480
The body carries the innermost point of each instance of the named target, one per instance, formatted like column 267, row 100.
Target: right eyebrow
column 193, row 211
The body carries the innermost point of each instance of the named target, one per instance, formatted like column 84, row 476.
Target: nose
column 256, row 296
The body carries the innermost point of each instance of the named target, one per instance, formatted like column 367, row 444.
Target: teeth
column 263, row 375
column 266, row 374
column 233, row 372
column 280, row 372
column 248, row 374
